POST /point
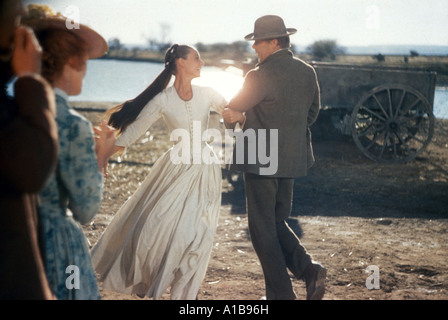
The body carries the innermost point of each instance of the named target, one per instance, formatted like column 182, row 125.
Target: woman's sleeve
column 149, row 114
column 217, row 101
column 79, row 171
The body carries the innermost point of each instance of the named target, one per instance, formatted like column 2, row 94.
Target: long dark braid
column 121, row 116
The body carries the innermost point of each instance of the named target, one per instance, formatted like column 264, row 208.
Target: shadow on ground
column 343, row 182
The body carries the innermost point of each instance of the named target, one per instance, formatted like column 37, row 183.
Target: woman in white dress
column 163, row 235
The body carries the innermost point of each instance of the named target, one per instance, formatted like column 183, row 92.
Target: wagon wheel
column 392, row 124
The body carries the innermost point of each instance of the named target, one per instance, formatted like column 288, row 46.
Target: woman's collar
column 60, row 93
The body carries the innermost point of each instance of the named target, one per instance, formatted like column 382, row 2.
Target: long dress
column 71, row 197
column 163, row 235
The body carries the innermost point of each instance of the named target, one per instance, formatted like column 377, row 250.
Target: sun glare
column 227, row 83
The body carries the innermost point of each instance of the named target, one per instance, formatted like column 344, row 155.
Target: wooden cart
column 388, row 111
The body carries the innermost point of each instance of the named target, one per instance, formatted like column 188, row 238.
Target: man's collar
column 277, row 53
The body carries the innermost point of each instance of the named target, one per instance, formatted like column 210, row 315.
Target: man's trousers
column 269, row 204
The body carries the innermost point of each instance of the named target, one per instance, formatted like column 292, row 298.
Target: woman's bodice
column 181, row 117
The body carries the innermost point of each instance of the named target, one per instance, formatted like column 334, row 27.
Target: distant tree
column 152, row 44
column 325, row 49
column 135, row 51
column 220, row 47
column 239, row 48
column 115, row 44
column 165, row 30
column 163, row 47
column 414, row 53
column 201, row 47
column 379, row 57
column 294, row 48
column 163, row 44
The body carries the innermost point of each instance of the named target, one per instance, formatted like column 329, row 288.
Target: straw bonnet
column 269, row 27
column 96, row 45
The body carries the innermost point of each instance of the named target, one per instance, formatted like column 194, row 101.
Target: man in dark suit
column 281, row 100
column 28, row 152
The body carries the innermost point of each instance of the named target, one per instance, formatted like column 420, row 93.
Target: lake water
column 117, row 81
column 441, row 103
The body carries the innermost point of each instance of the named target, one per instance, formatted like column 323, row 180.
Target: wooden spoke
column 392, row 124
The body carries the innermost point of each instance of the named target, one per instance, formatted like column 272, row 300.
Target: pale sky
column 349, row 22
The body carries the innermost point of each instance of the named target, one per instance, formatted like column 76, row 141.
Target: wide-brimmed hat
column 269, row 27
column 96, row 45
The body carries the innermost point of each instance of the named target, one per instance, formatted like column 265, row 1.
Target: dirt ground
column 350, row 213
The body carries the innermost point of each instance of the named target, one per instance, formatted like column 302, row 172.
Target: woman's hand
column 232, row 116
column 105, row 145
